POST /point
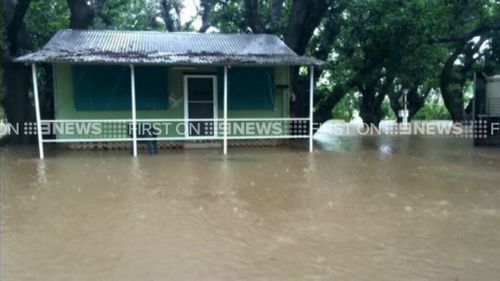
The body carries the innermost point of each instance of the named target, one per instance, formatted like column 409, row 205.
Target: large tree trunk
column 372, row 98
column 299, row 106
column 251, row 15
column 454, row 101
column 274, row 16
column 452, row 97
column 396, row 105
column 17, row 101
column 82, row 14
column 206, row 6
column 304, row 18
column 370, row 109
column 172, row 23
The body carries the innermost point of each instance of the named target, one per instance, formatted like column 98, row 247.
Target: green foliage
column 45, row 18
column 130, row 15
column 433, row 109
column 346, row 108
column 229, row 16
column 388, row 113
column 385, row 46
column 376, row 47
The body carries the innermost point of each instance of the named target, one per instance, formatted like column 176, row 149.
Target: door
column 200, row 102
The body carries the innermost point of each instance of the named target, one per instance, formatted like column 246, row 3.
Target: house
column 486, row 110
column 194, row 86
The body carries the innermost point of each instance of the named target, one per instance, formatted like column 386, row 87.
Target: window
column 99, row 87
column 249, row 88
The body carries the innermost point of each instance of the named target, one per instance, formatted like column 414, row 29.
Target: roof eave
column 188, row 59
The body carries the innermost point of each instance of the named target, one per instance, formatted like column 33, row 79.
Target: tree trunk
column 172, row 24
column 415, row 102
column 304, row 18
column 453, row 98
column 274, row 16
column 454, row 102
column 46, row 91
column 299, row 106
column 395, row 103
column 82, row 14
column 325, row 105
column 251, row 15
column 17, row 102
column 206, row 6
column 370, row 109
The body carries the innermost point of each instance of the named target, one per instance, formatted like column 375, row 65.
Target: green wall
column 65, row 109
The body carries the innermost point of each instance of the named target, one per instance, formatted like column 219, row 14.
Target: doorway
column 200, row 104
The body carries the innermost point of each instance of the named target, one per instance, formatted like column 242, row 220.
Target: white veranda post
column 225, row 110
column 37, row 111
column 134, row 111
column 311, row 108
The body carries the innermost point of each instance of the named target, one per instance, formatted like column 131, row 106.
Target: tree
column 83, row 12
column 296, row 22
column 16, row 101
column 454, row 77
column 304, row 18
column 466, row 25
column 171, row 13
column 370, row 63
column 375, row 48
column 129, row 15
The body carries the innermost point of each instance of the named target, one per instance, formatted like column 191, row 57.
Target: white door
column 200, row 105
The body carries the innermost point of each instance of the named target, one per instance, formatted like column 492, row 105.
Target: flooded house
column 136, row 86
column 486, row 110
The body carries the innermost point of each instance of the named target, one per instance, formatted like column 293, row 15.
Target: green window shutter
column 151, row 87
column 100, row 88
column 250, row 88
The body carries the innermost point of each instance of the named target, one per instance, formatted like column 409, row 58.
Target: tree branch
column 206, row 6
column 82, row 14
column 16, row 28
column 171, row 24
column 465, row 37
column 304, row 18
column 274, row 16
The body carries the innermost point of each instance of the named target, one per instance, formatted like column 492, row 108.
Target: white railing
column 174, row 129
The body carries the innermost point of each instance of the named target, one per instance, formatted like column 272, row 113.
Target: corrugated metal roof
column 151, row 47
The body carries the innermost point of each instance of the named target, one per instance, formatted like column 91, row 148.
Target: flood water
column 358, row 208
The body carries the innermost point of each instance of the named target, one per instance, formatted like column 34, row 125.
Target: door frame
column 186, row 103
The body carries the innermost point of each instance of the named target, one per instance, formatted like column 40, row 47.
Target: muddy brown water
column 359, row 208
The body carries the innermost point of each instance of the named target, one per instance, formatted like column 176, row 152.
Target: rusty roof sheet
column 152, row 47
